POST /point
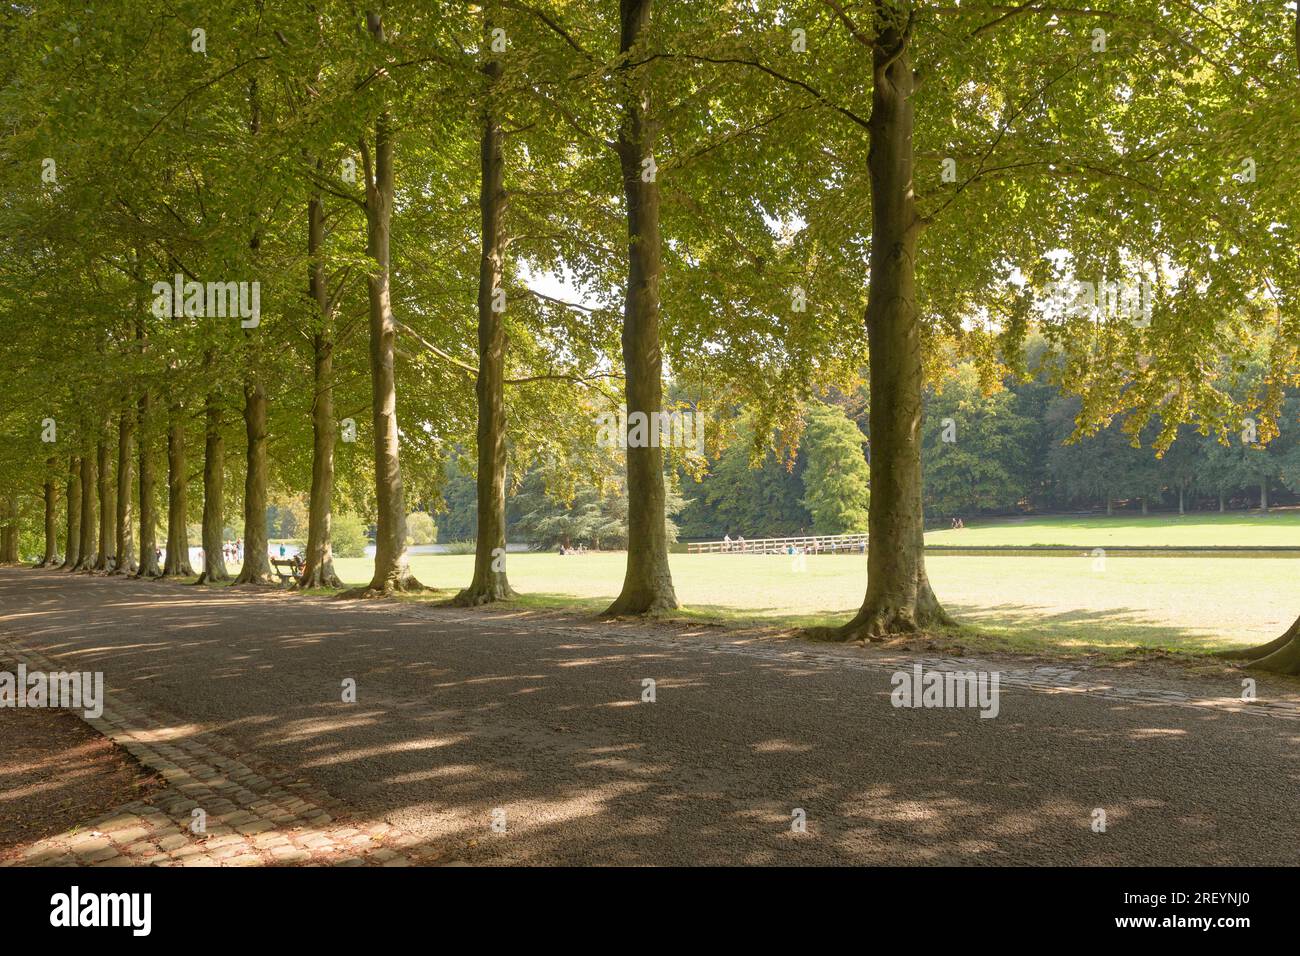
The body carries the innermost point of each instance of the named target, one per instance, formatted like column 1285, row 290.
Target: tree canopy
column 259, row 251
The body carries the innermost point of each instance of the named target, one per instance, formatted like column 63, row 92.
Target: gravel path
column 497, row 743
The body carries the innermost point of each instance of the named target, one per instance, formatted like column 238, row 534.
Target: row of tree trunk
column 898, row 598
column 98, row 532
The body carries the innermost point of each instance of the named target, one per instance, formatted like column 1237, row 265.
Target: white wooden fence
column 808, row 544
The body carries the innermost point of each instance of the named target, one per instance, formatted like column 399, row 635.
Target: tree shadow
column 456, row 720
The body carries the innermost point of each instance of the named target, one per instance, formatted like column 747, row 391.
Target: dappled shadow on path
column 1109, row 627
column 454, row 721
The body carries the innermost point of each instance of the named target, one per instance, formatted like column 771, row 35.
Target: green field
column 1061, row 602
column 1199, row 529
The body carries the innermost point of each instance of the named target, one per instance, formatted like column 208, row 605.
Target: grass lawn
column 1235, row 528
column 1059, row 602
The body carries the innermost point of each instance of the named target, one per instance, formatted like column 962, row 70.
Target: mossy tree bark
column 318, row 562
column 392, row 571
column 86, row 552
column 107, row 508
column 148, row 509
column 177, row 559
column 9, row 532
column 490, row 582
column 256, row 568
column 648, row 582
column 50, row 495
column 214, row 491
column 72, row 549
column 123, row 539
column 899, row 598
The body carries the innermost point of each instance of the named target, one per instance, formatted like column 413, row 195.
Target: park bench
column 286, row 571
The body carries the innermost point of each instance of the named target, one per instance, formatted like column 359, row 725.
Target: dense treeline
column 1013, row 449
column 1018, row 448
column 261, row 249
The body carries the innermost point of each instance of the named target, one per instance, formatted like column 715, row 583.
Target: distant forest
column 987, row 449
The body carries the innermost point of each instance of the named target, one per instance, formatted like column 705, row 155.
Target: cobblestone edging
column 254, row 817
column 259, row 816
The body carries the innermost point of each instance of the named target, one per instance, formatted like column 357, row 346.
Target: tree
column 318, row 560
column 836, row 480
column 72, row 551
column 899, row 597
column 214, row 479
column 124, row 539
column 490, row 582
column 738, row 495
column 392, row 571
column 457, row 511
column 648, row 582
column 768, row 207
column 420, row 528
column 349, row 535
column 50, row 494
column 557, row 506
column 177, row 560
column 976, row 446
column 89, row 544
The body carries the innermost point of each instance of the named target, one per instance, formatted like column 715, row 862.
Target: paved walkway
column 215, row 810
column 490, row 738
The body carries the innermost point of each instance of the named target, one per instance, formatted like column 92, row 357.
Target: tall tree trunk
column 214, row 478
column 124, row 541
column 256, row 568
column 107, row 508
column 1279, row 656
column 648, row 581
column 88, row 528
column 1263, row 494
column 392, row 571
column 318, row 562
column 50, row 557
column 9, row 533
column 899, row 598
column 148, row 514
column 1223, row 502
column 178, row 536
column 1182, row 503
column 490, row 582
column 1110, row 506
column 9, row 540
column 1144, row 506
column 72, row 550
